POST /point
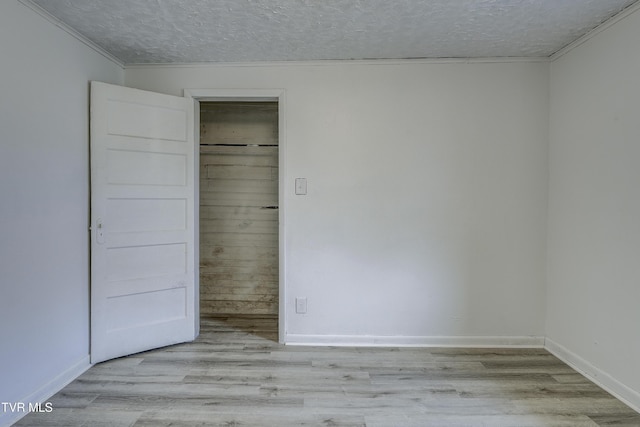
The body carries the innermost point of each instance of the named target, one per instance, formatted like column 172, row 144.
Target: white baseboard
column 413, row 341
column 47, row 390
column 624, row 393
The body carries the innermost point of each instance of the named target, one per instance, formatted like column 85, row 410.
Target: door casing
column 247, row 95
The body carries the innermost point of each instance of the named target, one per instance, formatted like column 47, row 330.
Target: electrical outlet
column 301, row 305
column 301, row 186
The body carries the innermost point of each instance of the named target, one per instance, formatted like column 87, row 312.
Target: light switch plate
column 301, row 305
column 301, row 186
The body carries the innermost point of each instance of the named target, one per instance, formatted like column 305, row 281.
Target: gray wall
column 44, row 209
column 426, row 208
column 593, row 300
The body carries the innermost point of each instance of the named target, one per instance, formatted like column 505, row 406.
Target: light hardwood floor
column 235, row 374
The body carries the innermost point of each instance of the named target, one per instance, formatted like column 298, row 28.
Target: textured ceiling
column 185, row 31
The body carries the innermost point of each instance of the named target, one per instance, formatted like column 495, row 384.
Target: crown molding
column 335, row 62
column 78, row 36
column 625, row 13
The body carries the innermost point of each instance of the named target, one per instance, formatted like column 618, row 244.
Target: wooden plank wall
column 238, row 208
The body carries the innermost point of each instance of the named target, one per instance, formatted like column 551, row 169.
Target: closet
column 239, row 209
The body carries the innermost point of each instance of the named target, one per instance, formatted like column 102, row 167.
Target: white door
column 142, row 221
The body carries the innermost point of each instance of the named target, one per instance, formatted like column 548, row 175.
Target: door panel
column 165, row 169
column 142, row 209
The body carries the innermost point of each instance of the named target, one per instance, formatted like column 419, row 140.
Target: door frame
column 247, row 95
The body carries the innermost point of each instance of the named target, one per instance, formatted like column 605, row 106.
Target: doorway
column 239, row 214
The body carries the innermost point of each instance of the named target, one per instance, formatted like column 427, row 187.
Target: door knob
column 99, row 231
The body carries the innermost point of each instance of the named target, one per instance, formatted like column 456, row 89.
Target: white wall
column 593, row 299
column 44, row 188
column 426, row 211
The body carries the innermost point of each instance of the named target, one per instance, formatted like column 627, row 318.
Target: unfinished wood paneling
column 238, row 208
column 241, row 123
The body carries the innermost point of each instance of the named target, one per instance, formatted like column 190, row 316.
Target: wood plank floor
column 235, row 374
